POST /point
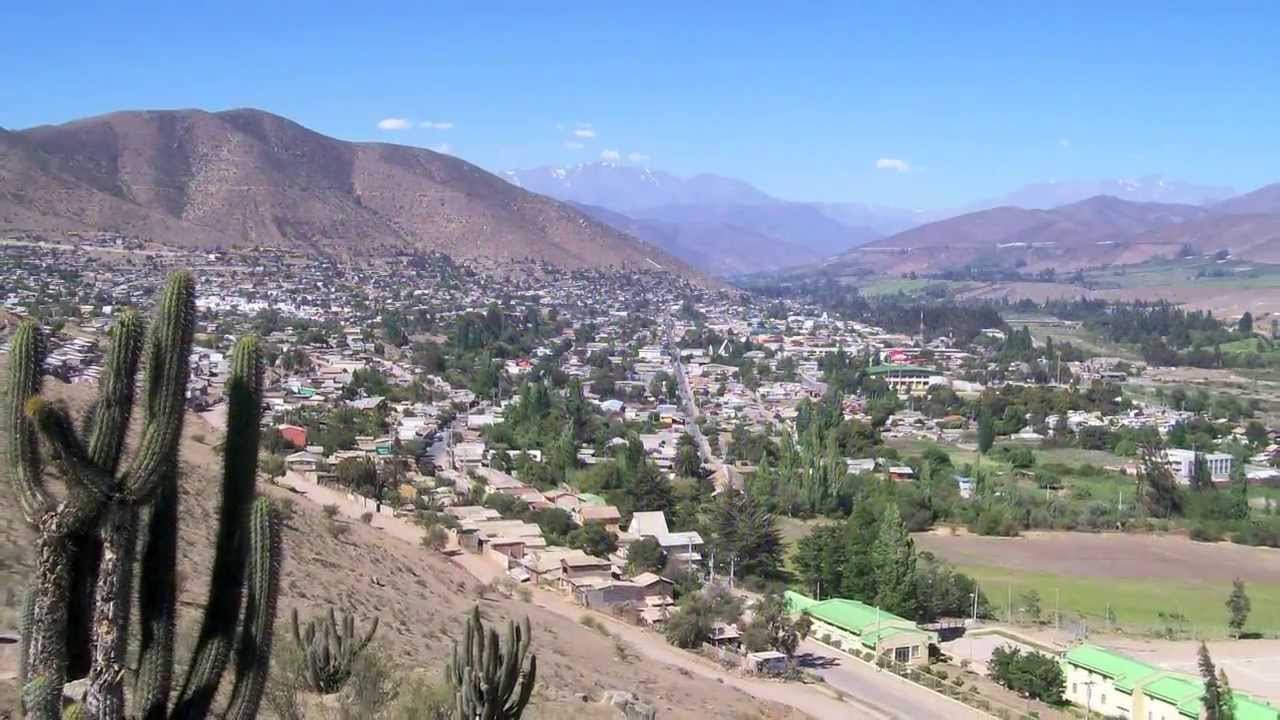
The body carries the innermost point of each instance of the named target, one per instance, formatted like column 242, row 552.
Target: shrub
column 940, row 674
column 330, row 511
column 366, row 518
column 957, row 681
column 338, row 530
column 1201, row 532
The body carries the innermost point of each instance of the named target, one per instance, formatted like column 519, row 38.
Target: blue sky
column 921, row 105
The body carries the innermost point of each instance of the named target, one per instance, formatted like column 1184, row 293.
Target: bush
column 1201, row 532
column 338, row 530
column 366, row 518
column 330, row 511
column 1031, row 673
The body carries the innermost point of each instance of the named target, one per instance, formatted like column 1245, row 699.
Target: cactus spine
column 486, row 676
column 330, row 648
column 102, row 499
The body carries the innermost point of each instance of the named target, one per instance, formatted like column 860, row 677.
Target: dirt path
column 807, row 699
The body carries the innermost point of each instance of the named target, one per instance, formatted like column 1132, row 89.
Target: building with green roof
column 1115, row 685
column 850, row 624
column 905, row 379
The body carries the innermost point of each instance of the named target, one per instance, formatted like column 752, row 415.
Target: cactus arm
column 157, row 604
column 83, row 477
column 253, row 649
column 108, row 420
column 240, row 461
column 25, row 360
column 168, row 369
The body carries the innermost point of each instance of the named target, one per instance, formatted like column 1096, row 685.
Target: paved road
column 691, row 408
column 888, row 694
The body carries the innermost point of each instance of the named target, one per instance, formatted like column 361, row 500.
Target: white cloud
column 444, row 148
column 573, row 145
column 435, row 125
column 1064, row 142
column 636, row 157
column 585, row 133
column 894, row 164
column 610, row 155
column 394, row 123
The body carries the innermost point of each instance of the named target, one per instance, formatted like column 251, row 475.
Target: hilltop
column 248, row 178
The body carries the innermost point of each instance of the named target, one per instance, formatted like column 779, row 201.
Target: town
column 676, row 457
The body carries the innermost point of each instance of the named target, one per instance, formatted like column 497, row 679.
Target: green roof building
column 849, row 624
column 1115, row 685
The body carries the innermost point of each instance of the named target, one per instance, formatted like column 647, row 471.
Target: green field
column 1135, row 604
column 1165, row 273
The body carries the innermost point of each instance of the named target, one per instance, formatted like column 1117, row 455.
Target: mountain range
column 727, row 226
column 720, row 225
column 252, row 179
column 1099, row 231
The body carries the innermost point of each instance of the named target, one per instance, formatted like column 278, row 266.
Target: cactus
column 484, row 674
column 330, row 648
column 95, row 526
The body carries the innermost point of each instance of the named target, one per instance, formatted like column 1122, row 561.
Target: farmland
column 1123, row 581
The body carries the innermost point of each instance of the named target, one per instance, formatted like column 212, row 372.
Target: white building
column 1181, row 461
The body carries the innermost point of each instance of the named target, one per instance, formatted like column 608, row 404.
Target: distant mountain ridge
column 249, row 178
column 720, row 225
column 1101, row 230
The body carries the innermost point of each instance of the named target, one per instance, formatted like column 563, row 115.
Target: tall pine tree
column 894, row 562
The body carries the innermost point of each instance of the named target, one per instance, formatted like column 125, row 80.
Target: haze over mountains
column 249, row 178
column 1102, row 230
column 727, row 226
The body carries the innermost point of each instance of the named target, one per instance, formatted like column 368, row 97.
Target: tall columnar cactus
column 330, row 647
column 486, row 676
column 103, row 502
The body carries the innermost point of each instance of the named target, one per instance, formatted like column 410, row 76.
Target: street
column 888, row 694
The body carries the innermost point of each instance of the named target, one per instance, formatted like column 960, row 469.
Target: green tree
column 746, row 533
column 1156, row 486
column 594, row 540
column 773, row 627
column 690, row 625
column 894, row 565
column 1032, row 674
column 358, row 474
column 1245, row 326
column 1238, row 607
column 1200, row 479
column 645, row 555
column 1239, row 492
column 986, row 430
column 688, row 461
column 1216, row 700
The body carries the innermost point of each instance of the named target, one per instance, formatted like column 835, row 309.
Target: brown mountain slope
column 1098, row 231
column 250, row 178
column 421, row 598
column 1264, row 200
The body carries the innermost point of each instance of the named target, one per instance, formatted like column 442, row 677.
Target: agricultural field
column 1200, row 271
column 1136, row 584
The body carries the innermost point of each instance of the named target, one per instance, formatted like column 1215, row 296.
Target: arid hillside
column 248, row 178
